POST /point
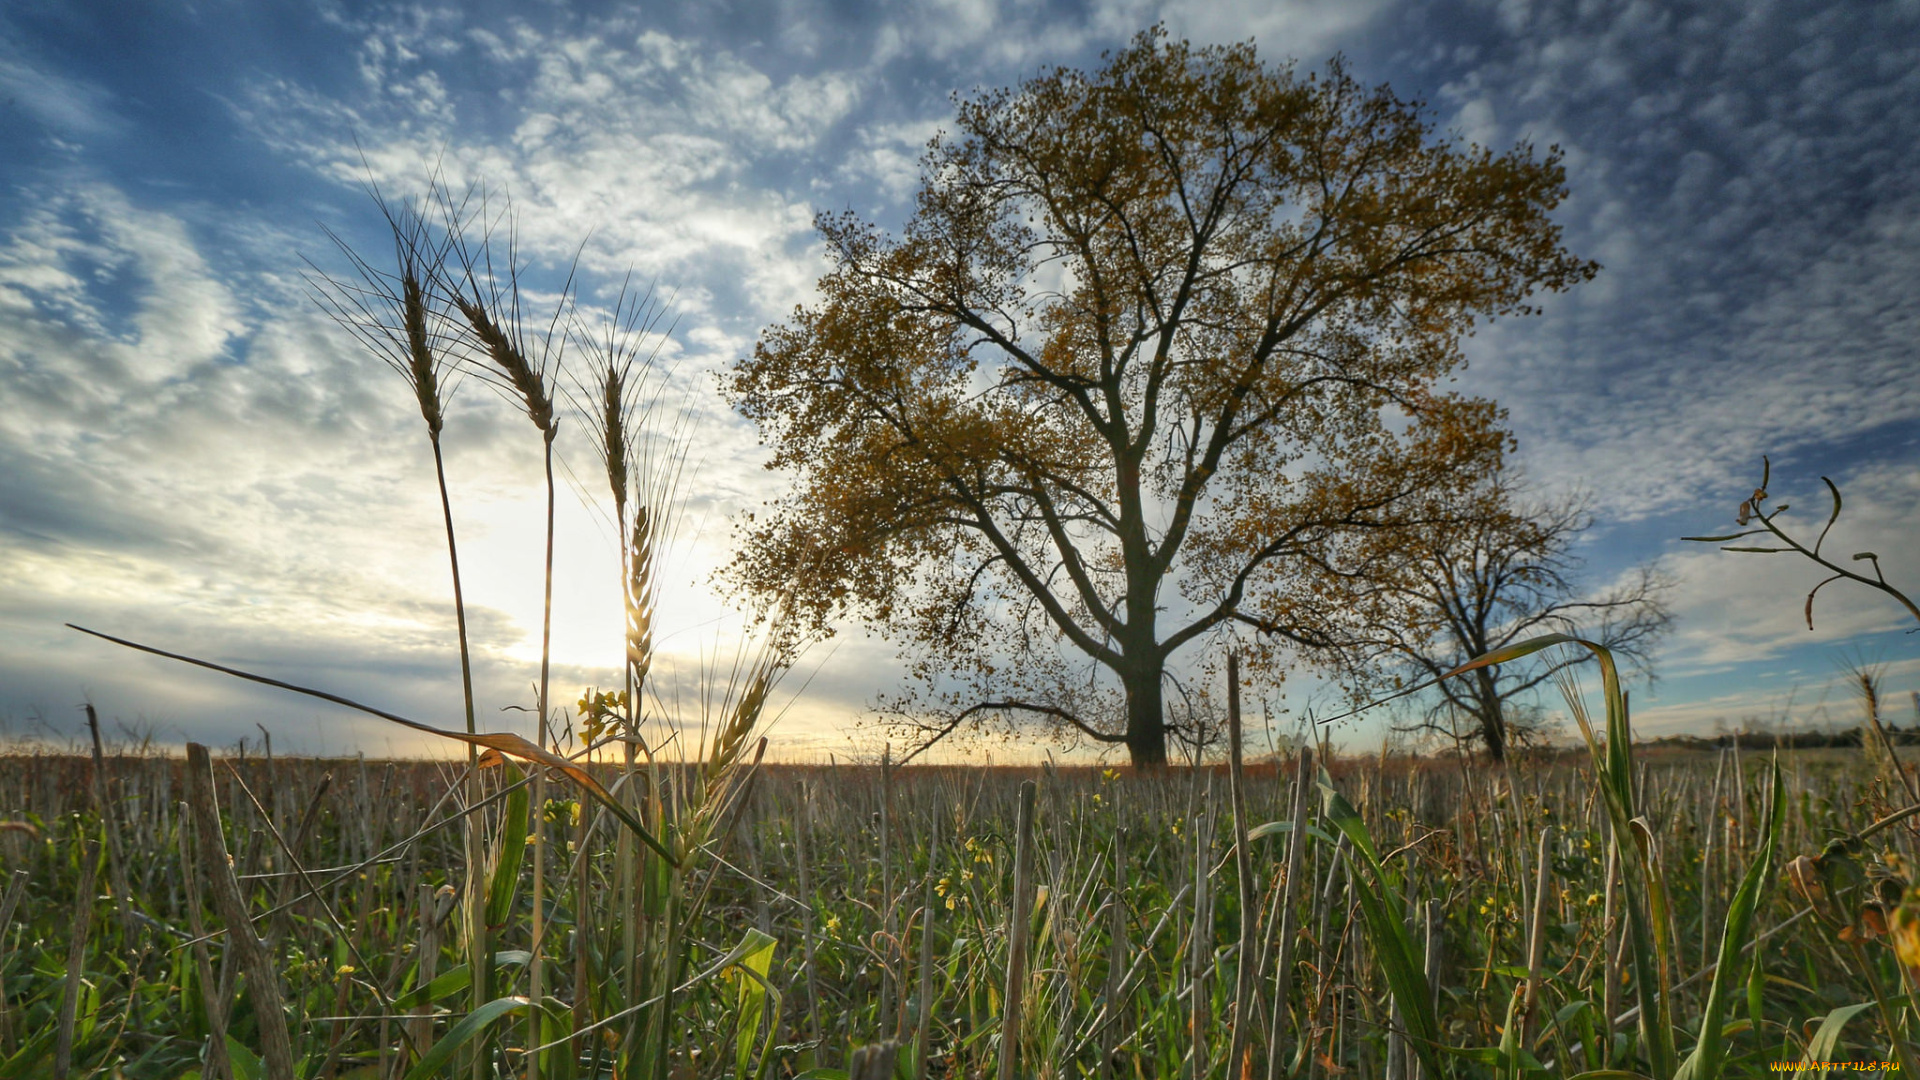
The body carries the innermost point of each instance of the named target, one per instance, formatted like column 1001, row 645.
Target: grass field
column 818, row 911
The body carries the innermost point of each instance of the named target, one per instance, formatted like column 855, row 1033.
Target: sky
column 193, row 456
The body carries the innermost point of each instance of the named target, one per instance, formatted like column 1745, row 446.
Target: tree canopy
column 1158, row 349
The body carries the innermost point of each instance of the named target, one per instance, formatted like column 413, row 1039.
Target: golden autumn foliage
column 1154, row 340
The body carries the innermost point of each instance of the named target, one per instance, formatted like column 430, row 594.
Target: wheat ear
column 510, row 360
column 640, row 598
column 421, row 370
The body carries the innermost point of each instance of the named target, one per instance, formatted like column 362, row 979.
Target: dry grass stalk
column 875, row 1062
column 1614, row 955
column 76, row 958
column 1116, row 1010
column 409, row 331
column 802, row 834
column 923, row 1020
column 216, row 1066
column 286, row 900
column 1074, row 952
column 1284, row 924
column 116, row 866
column 1243, row 1021
column 16, row 886
column 1325, row 943
column 427, row 911
column 492, row 315
column 1436, row 941
column 1200, row 943
column 1537, row 931
column 889, row 955
column 298, row 871
column 609, row 408
column 617, row 399
column 263, row 980
column 1018, row 930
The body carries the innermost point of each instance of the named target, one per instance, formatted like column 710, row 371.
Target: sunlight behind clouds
column 188, row 449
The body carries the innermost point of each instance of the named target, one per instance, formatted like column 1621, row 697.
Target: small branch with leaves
column 1754, row 511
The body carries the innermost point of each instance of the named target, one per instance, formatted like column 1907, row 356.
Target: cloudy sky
column 193, row 456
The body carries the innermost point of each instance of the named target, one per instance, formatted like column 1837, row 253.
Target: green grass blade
column 1273, row 827
column 26, row 1061
column 1613, row 764
column 455, row 979
column 1826, row 1040
column 505, row 883
column 1392, row 946
column 245, row 1063
column 556, row 1026
column 1518, row 1062
column 1709, row 1054
column 1575, row 1021
column 1660, row 917
column 469, row 1028
column 751, row 970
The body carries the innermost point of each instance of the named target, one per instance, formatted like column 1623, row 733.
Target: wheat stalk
column 618, row 402
column 745, row 714
column 492, row 314
column 406, row 329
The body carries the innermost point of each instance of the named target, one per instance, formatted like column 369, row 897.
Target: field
column 825, row 921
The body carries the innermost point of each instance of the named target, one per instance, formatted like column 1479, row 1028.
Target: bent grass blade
column 1646, row 909
column 505, row 742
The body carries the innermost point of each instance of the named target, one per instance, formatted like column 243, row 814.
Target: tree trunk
column 1146, row 723
column 1493, row 734
column 1493, row 728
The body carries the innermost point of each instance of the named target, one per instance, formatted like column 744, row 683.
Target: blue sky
column 192, row 455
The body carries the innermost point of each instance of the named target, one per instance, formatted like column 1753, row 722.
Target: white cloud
column 73, row 108
column 1310, row 30
column 76, row 241
column 889, row 156
column 647, row 143
column 1736, row 608
column 1823, row 697
column 997, row 41
column 1729, row 170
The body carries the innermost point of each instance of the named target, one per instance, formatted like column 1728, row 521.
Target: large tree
column 1152, row 338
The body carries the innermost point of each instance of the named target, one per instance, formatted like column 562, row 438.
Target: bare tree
column 1499, row 569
